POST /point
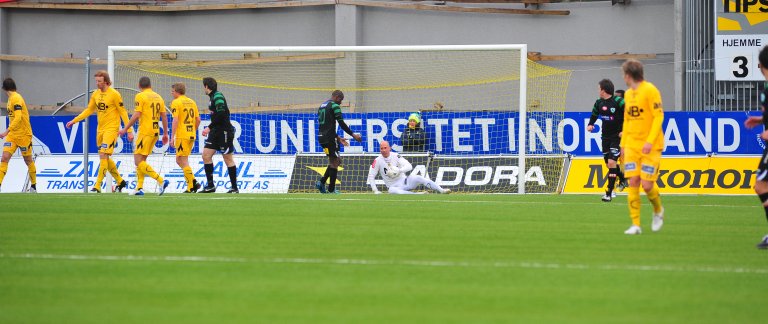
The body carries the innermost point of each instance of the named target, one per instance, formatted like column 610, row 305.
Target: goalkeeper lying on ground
column 392, row 168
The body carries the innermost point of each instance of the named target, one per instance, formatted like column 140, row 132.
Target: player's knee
column 647, row 185
column 634, row 182
column 229, row 160
column 761, row 187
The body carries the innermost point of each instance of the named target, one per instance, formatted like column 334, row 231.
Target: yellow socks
column 189, row 176
column 655, row 199
column 113, row 170
column 140, row 175
column 633, row 200
column 32, row 173
column 147, row 170
column 103, row 166
column 3, row 170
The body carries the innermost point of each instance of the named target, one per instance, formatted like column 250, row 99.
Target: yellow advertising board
column 721, row 175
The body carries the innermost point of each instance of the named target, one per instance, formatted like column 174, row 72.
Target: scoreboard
column 741, row 30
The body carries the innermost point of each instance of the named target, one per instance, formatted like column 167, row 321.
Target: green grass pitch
column 378, row 258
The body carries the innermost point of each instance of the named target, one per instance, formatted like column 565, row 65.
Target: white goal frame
column 523, row 48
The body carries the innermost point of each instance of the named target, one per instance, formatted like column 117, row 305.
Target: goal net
column 489, row 116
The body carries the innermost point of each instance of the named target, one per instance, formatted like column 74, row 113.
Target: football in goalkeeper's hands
column 393, row 171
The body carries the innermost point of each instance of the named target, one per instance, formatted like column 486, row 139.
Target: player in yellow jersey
column 186, row 119
column 108, row 104
column 150, row 110
column 642, row 141
column 18, row 135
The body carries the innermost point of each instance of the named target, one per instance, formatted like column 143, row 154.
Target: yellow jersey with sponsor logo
column 18, row 116
column 185, row 113
column 643, row 116
column 109, row 108
column 150, row 105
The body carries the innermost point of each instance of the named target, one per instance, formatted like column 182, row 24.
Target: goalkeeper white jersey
column 382, row 165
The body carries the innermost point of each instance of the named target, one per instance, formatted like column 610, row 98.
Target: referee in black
column 327, row 115
column 609, row 109
column 221, row 135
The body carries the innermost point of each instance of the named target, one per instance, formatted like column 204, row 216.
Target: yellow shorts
column 144, row 144
column 106, row 142
column 24, row 144
column 183, row 146
column 644, row 165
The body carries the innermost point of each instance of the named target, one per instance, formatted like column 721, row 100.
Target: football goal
column 487, row 115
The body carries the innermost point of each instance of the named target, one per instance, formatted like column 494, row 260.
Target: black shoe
column 208, row 190
column 234, row 191
column 121, row 186
column 96, row 190
column 195, row 187
column 763, row 244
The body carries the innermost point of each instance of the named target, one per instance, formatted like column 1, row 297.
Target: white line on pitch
column 331, row 199
column 418, row 263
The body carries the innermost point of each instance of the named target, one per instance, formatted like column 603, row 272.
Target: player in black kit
column 761, row 183
column 221, row 135
column 327, row 115
column 609, row 109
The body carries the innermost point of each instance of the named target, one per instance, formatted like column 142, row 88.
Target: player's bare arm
column 343, row 140
column 753, row 121
column 164, row 119
column 134, row 118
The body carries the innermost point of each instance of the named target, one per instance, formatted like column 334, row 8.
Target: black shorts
column 611, row 148
column 762, row 168
column 331, row 149
column 222, row 141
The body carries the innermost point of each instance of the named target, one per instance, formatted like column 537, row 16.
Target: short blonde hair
column 179, row 87
column 634, row 69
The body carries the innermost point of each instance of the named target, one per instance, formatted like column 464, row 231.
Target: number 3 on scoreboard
column 742, row 65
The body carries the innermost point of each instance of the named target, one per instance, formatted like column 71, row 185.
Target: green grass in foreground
column 365, row 258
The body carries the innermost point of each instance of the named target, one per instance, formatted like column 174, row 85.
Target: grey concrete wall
column 645, row 26
column 52, row 33
column 591, row 28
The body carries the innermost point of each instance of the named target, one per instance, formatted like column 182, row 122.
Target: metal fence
column 701, row 91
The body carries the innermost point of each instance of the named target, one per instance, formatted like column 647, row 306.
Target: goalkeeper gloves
column 393, row 171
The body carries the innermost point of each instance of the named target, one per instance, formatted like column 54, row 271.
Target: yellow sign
column 683, row 175
column 740, row 15
column 741, row 31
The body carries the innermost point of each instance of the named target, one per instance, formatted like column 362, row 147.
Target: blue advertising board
column 452, row 133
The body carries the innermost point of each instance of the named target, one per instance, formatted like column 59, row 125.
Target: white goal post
column 376, row 78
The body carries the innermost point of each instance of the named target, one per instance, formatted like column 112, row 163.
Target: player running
column 641, row 144
column 150, row 109
column 18, row 135
column 186, row 120
column 609, row 109
column 108, row 104
column 392, row 168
